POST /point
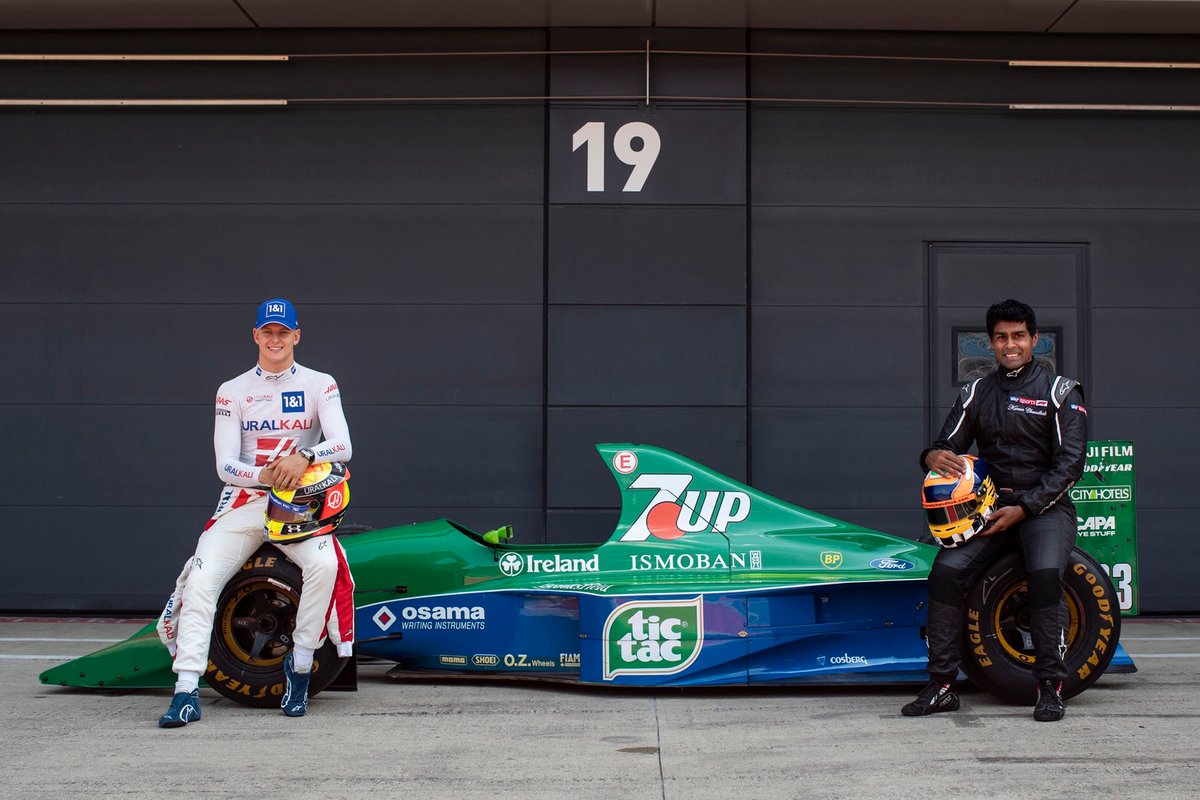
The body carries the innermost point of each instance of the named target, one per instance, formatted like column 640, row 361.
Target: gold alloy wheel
column 257, row 622
column 1011, row 622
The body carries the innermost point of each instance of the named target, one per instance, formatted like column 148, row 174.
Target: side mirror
column 499, row 535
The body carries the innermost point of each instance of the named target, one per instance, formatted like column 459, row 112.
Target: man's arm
column 956, row 436
column 335, row 446
column 227, row 443
column 1069, row 454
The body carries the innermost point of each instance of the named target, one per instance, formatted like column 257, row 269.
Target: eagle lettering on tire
column 252, row 632
column 998, row 647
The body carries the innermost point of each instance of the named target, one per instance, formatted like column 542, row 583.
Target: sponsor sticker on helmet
column 653, row 637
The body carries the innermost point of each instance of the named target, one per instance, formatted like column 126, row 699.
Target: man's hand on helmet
column 1002, row 519
column 945, row 462
column 284, row 473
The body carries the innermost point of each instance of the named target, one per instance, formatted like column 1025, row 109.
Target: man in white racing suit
column 268, row 430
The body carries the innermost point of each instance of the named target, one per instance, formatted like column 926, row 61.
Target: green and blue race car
column 704, row 582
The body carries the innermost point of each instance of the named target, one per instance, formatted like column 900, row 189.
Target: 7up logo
column 675, row 512
column 653, row 637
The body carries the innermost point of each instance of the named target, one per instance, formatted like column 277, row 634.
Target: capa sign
column 675, row 511
column 653, row 637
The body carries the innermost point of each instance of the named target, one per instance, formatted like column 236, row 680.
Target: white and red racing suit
column 262, row 417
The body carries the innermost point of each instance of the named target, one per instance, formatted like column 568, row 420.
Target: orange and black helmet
column 957, row 508
column 315, row 507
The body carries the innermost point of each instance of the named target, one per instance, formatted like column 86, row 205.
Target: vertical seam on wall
column 546, row 294
column 1083, row 312
column 930, row 341
column 749, row 255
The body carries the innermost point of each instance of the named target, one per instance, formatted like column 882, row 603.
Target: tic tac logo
column 653, row 637
column 675, row 512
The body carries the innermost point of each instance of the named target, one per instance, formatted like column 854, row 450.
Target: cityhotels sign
column 1105, row 517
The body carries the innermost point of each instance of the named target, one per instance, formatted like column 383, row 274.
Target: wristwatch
column 308, row 453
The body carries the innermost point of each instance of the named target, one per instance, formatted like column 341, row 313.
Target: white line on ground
column 47, row 639
column 1164, row 655
column 39, row 658
column 1160, row 638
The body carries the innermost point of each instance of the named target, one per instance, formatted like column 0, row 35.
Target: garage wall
column 847, row 202
column 646, row 314
column 760, row 303
column 139, row 243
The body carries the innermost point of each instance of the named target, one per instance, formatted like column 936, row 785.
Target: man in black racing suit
column 1031, row 429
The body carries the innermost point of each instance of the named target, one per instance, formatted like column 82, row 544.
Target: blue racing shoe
column 185, row 708
column 295, row 694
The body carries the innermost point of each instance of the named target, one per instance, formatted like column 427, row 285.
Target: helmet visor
column 280, row 510
column 942, row 516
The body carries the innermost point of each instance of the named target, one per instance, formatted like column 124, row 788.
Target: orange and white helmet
column 315, row 507
column 957, row 508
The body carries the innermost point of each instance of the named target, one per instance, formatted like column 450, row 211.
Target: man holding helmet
column 284, row 483
column 1030, row 427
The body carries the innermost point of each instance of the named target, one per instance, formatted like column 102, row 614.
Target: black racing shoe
column 935, row 697
column 1050, row 706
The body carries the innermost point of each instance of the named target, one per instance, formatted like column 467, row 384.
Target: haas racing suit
column 261, row 417
column 1031, row 429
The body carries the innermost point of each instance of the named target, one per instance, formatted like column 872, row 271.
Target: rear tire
column 997, row 645
column 252, row 633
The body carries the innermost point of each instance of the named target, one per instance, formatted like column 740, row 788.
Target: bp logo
column 512, row 564
column 653, row 637
column 831, row 559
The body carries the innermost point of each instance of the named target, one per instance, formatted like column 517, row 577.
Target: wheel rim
column 258, row 619
column 1010, row 623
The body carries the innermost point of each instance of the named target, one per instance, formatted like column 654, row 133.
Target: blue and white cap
column 277, row 310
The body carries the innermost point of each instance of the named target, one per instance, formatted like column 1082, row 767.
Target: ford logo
column 893, row 564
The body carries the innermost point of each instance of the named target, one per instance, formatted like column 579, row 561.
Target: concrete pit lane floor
column 1131, row 736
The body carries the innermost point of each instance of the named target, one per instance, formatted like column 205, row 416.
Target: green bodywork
column 682, row 528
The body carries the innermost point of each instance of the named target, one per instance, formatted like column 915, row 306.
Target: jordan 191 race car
column 704, row 582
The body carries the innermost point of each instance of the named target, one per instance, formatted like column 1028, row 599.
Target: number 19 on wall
column 642, row 160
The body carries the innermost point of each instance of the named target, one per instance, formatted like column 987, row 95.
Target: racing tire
column 997, row 645
column 252, row 633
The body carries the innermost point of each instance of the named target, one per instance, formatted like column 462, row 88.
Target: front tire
column 998, row 645
column 252, row 633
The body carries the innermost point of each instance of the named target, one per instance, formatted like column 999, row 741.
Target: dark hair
column 1011, row 311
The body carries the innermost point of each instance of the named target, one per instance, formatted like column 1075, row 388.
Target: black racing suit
column 1031, row 428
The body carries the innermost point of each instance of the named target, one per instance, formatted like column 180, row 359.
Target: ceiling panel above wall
column 449, row 13
column 1131, row 16
column 120, row 14
column 914, row 15
column 1012, row 16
